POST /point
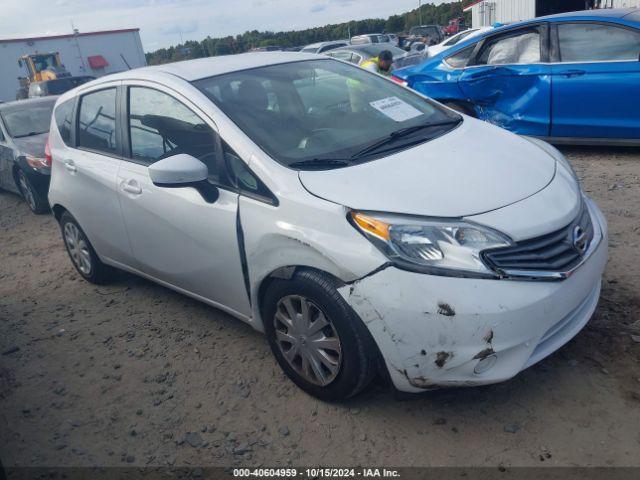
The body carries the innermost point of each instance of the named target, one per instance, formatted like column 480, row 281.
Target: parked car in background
column 433, row 32
column 455, row 26
column 449, row 42
column 371, row 38
column 322, row 47
column 365, row 228
column 25, row 165
column 394, row 39
column 358, row 54
column 569, row 78
column 57, row 86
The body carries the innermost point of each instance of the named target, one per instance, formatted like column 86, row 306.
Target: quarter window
column 64, row 117
column 460, row 59
column 97, row 121
column 160, row 126
column 523, row 47
column 591, row 42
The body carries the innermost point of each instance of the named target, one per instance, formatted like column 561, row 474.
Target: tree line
column 209, row 47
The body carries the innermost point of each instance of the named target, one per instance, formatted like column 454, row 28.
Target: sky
column 164, row 22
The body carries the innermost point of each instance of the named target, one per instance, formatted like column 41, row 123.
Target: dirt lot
column 135, row 374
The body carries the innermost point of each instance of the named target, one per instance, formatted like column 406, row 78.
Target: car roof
column 191, row 70
column 28, row 102
column 595, row 14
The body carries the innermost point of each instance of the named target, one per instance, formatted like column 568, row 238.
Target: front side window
column 326, row 110
column 520, row 48
column 27, row 119
column 160, row 126
column 591, row 42
column 97, row 121
column 63, row 115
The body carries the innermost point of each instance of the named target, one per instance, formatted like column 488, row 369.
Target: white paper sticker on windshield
column 396, row 109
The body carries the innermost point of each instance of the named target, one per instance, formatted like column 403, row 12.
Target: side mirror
column 183, row 170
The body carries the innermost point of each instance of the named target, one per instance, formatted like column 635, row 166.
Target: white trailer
column 485, row 13
column 90, row 53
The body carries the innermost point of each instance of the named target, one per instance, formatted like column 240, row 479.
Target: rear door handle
column 131, row 186
column 70, row 166
column 573, row 73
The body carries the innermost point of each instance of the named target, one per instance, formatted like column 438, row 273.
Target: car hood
column 33, row 145
column 473, row 169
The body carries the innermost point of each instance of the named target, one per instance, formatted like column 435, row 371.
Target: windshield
column 309, row 50
column 27, row 119
column 321, row 109
column 456, row 38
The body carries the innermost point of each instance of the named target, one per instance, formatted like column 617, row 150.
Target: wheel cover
column 78, row 248
column 307, row 339
column 27, row 193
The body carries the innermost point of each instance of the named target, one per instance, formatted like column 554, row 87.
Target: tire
column 81, row 252
column 36, row 202
column 462, row 108
column 356, row 355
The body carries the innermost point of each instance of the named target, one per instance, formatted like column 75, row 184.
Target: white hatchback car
column 366, row 229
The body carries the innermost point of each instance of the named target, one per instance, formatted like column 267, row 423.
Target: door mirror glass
column 178, row 170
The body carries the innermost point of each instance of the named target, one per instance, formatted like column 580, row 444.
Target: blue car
column 568, row 78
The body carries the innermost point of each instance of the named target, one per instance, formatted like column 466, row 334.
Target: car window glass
column 460, row 59
column 160, row 126
column 589, row 42
column 456, row 38
column 241, row 176
column 512, row 49
column 342, row 55
column 97, row 121
column 1, row 135
column 63, row 115
column 325, row 108
column 27, row 119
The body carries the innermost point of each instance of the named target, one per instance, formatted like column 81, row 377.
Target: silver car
column 365, row 229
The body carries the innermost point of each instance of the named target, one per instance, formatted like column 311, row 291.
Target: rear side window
column 97, row 121
column 160, row 126
column 591, row 42
column 64, row 119
column 520, row 48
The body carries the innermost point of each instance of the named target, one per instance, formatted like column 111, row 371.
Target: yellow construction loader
column 40, row 67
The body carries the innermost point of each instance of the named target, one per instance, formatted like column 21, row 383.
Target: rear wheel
column 34, row 200
column 318, row 340
column 81, row 252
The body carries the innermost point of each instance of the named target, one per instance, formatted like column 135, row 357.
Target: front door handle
column 70, row 166
column 131, row 186
column 573, row 73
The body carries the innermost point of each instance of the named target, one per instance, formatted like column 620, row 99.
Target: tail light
column 399, row 81
column 48, row 159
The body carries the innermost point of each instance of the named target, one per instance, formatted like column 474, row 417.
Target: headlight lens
column 431, row 246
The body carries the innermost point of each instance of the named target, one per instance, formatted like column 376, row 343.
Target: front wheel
column 318, row 340
column 36, row 202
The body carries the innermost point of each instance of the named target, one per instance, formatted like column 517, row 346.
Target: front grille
column 559, row 251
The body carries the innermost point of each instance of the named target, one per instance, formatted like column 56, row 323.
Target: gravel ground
column 135, row 374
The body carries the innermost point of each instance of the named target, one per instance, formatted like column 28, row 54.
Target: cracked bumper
column 434, row 331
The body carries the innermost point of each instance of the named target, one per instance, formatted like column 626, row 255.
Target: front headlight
column 439, row 247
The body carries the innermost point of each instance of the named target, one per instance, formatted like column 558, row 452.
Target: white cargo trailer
column 90, row 53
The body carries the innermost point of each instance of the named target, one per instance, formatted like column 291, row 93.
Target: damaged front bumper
column 436, row 331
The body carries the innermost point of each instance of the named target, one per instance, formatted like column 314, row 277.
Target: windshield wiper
column 30, row 134
column 320, row 163
column 393, row 136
